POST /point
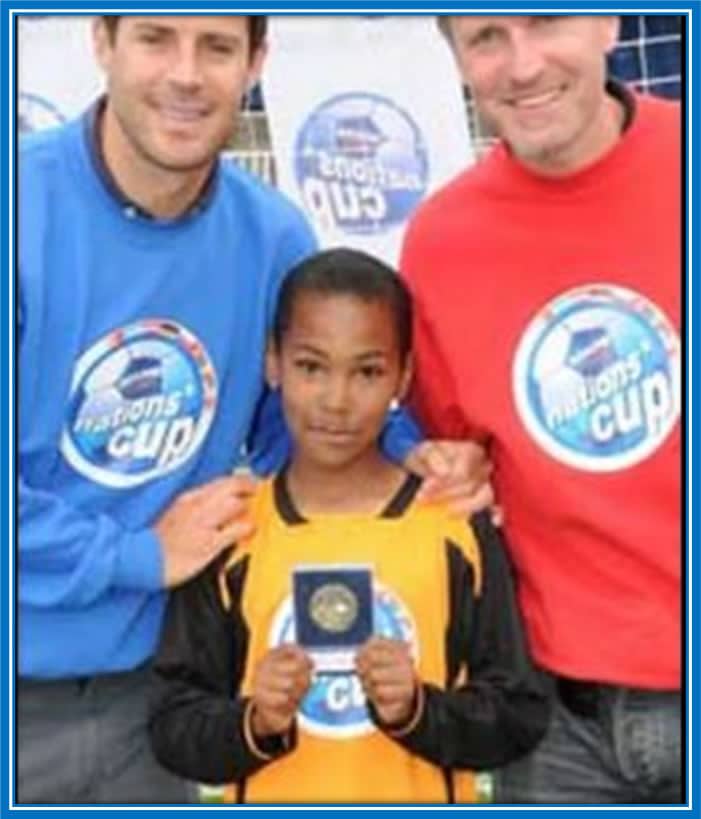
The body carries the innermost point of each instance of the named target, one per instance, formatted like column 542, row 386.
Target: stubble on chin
column 169, row 161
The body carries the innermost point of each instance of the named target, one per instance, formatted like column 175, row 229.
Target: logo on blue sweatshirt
column 597, row 378
column 142, row 400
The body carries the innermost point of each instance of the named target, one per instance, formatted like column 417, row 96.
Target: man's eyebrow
column 147, row 24
column 488, row 25
column 223, row 36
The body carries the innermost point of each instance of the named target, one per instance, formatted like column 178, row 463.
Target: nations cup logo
column 34, row 113
column 361, row 164
column 335, row 705
column 597, row 378
column 142, row 401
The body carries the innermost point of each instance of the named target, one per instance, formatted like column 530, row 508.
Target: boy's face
column 338, row 369
column 175, row 84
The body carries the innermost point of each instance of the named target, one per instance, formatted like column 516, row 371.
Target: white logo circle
column 335, row 705
column 596, row 378
column 142, row 401
column 361, row 164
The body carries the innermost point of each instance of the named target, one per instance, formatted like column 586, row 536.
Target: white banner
column 367, row 118
column 57, row 74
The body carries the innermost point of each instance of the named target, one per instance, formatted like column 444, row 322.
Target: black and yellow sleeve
column 199, row 726
column 495, row 706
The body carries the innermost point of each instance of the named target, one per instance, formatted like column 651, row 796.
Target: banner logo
column 142, row 401
column 34, row 113
column 335, row 705
column 361, row 164
column 596, row 378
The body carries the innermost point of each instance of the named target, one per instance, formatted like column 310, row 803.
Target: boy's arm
column 199, row 726
column 501, row 711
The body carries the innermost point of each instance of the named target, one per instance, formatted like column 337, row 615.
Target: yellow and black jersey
column 438, row 583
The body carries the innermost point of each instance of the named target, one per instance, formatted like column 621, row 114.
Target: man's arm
column 454, row 461
column 69, row 558
column 77, row 557
column 434, row 398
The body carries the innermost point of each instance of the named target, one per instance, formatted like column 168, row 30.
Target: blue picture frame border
column 8, row 340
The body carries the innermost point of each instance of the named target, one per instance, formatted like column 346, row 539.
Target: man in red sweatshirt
column 547, row 280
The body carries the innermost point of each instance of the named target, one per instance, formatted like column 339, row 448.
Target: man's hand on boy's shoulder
column 200, row 523
column 456, row 473
column 280, row 681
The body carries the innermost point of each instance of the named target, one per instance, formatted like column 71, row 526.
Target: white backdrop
column 367, row 118
column 57, row 74
column 366, row 113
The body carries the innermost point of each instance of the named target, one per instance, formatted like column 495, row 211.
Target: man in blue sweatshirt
column 148, row 273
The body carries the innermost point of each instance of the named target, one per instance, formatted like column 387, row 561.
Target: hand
column 386, row 672
column 455, row 473
column 199, row 524
column 280, row 682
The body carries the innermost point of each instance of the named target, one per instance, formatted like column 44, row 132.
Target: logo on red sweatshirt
column 596, row 378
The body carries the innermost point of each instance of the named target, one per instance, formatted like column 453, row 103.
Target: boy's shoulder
column 456, row 531
column 271, row 505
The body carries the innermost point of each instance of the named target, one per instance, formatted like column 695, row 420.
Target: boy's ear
column 405, row 378
column 272, row 365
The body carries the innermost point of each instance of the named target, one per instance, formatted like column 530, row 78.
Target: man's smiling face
column 539, row 81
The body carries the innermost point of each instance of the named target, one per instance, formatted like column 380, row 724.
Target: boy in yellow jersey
column 360, row 647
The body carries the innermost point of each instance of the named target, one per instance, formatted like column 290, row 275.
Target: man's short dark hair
column 443, row 22
column 257, row 28
column 346, row 272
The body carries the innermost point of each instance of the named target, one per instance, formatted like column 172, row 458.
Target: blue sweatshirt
column 141, row 366
column 140, row 376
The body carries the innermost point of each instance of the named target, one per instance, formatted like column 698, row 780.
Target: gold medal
column 333, row 607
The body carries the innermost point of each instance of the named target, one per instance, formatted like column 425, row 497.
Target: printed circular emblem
column 35, row 113
column 333, row 607
column 335, row 704
column 596, row 378
column 142, row 400
column 361, row 164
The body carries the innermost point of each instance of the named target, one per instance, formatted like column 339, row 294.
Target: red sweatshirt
column 548, row 317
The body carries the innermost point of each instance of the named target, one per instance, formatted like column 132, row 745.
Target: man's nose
column 185, row 69
column 527, row 58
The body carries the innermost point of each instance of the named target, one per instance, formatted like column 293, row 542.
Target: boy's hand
column 281, row 680
column 387, row 674
column 201, row 523
column 455, row 473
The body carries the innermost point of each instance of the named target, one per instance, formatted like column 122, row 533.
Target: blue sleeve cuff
column 400, row 435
